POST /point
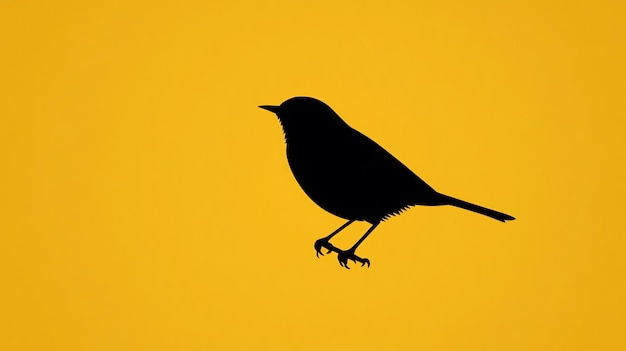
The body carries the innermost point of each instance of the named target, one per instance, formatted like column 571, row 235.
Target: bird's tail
column 502, row 217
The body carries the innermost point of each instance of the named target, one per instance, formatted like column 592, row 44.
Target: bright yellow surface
column 146, row 202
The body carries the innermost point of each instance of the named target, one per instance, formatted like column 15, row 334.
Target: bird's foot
column 324, row 243
column 344, row 256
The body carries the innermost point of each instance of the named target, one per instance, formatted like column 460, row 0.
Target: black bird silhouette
column 349, row 175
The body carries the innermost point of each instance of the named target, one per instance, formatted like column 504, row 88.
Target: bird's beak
column 270, row 108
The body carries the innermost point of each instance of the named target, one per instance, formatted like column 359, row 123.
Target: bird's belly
column 340, row 186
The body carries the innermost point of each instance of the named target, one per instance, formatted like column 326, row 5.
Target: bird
column 349, row 175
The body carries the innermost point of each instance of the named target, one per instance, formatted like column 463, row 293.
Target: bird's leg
column 344, row 256
column 324, row 242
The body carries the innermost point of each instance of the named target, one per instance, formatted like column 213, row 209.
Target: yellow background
column 146, row 202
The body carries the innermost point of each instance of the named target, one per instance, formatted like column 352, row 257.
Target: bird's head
column 306, row 115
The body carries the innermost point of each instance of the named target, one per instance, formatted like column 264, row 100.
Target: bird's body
column 352, row 177
column 348, row 174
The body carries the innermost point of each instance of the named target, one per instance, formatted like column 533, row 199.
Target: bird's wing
column 384, row 178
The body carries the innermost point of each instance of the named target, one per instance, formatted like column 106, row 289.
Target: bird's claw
column 344, row 256
column 323, row 243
